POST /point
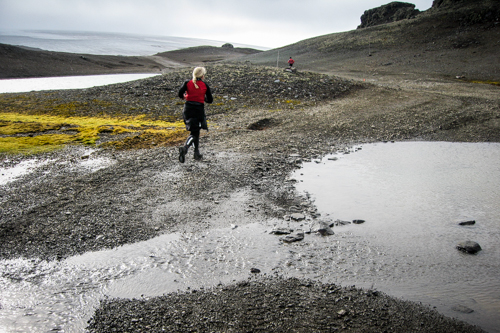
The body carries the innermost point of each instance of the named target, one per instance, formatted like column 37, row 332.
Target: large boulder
column 392, row 12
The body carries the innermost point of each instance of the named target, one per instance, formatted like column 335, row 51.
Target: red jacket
column 291, row 61
column 191, row 94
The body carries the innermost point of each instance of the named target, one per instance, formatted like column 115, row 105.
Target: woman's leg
column 192, row 140
column 196, row 144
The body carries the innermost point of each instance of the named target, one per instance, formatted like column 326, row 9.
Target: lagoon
column 66, row 82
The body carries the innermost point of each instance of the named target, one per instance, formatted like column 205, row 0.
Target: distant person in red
column 291, row 62
column 196, row 93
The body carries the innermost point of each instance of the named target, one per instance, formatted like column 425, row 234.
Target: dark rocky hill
column 453, row 38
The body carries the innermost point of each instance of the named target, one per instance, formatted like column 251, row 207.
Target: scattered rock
column 281, row 231
column 297, row 217
column 255, row 270
column 324, row 229
column 469, row 247
column 340, row 223
column 296, row 237
column 358, row 221
column 296, row 209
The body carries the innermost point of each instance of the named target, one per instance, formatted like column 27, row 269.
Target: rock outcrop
column 392, row 12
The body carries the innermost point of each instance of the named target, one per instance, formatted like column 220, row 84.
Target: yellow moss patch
column 88, row 129
column 486, row 82
column 34, row 145
column 17, row 127
column 150, row 138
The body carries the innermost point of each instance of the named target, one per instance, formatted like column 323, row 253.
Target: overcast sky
column 268, row 23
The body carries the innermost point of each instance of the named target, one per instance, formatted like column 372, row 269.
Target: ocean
column 104, row 43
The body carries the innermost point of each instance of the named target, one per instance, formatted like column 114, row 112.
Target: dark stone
column 358, row 221
column 255, row 270
column 469, row 247
column 281, row 231
column 339, row 223
column 392, row 12
column 467, row 223
column 324, row 229
column 298, row 236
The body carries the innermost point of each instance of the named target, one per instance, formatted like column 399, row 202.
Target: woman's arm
column 208, row 95
column 183, row 90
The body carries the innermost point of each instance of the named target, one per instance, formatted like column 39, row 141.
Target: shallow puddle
column 86, row 163
column 412, row 195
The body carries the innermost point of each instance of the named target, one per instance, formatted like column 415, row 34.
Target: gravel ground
column 272, row 305
column 263, row 124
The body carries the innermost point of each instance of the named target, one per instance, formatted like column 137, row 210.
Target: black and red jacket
column 194, row 108
column 201, row 94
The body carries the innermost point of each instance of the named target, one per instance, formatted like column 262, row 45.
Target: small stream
column 412, row 196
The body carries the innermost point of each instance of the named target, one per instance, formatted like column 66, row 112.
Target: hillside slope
column 453, row 38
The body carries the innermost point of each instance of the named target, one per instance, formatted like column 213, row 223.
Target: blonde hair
column 198, row 73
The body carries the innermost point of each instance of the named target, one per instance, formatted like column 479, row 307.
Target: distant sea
column 104, row 43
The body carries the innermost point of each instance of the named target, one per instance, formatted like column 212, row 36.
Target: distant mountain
column 207, row 54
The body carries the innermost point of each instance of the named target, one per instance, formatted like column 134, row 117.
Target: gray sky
column 269, row 23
